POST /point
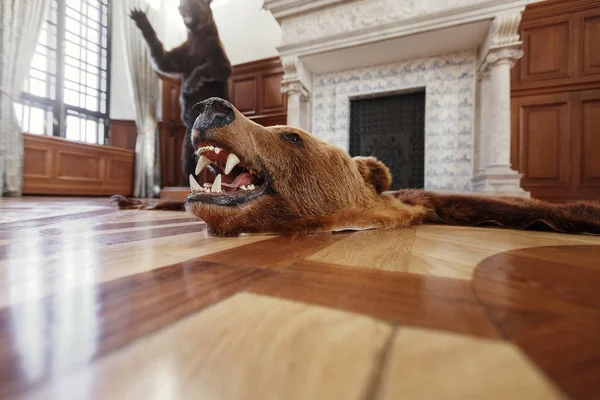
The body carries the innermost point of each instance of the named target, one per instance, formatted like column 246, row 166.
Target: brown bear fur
column 312, row 186
column 200, row 61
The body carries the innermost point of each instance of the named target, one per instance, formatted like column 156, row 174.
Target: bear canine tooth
column 194, row 184
column 216, row 187
column 232, row 161
column 202, row 162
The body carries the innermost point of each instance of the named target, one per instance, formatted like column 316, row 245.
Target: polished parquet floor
column 97, row 303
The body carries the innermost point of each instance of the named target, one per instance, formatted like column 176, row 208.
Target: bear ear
column 374, row 172
column 199, row 107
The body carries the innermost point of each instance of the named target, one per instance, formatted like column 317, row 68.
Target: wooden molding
column 257, row 66
column 551, row 8
column 270, row 120
column 174, row 193
column 59, row 166
column 552, row 88
column 123, row 133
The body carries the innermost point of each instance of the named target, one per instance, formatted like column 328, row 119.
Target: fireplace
column 447, row 85
column 460, row 51
column 392, row 129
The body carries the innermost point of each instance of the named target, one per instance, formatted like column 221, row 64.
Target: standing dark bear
column 200, row 61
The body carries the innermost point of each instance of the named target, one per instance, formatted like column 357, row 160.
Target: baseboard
column 174, row 193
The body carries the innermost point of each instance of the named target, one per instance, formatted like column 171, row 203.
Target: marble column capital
column 294, row 87
column 503, row 55
column 296, row 78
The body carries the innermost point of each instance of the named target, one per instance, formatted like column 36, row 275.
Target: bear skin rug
column 283, row 180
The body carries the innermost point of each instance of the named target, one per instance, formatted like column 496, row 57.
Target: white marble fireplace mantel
column 326, row 42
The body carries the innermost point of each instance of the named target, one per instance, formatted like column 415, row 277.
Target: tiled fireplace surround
column 449, row 86
column 459, row 51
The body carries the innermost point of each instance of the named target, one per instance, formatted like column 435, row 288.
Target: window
column 66, row 92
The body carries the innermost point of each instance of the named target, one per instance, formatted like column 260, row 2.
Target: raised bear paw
column 140, row 18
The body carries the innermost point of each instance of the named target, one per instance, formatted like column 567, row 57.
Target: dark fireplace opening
column 392, row 128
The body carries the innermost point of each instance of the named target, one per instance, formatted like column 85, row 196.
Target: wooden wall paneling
column 555, row 101
column 123, row 133
column 515, row 118
column 37, row 162
column 590, row 143
column 271, row 120
column 256, row 91
column 172, row 134
column 546, row 50
column 171, row 145
column 558, row 44
column 272, row 99
column 544, row 142
column 62, row 167
column 171, row 108
column 245, row 96
column 591, row 43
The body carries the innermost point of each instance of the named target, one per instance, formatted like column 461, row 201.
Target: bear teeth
column 232, row 161
column 202, row 163
column 203, row 149
column 216, row 187
column 194, row 186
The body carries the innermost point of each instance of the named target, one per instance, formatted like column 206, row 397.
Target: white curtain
column 144, row 83
column 20, row 25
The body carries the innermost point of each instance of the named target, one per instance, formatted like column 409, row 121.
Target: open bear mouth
column 235, row 183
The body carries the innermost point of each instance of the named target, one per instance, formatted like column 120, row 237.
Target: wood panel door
column 557, row 142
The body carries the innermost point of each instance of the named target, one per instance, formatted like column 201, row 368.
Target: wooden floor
column 97, row 303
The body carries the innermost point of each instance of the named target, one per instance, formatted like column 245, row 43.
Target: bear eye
column 293, row 138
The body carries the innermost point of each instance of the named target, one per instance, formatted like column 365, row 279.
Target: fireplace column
column 296, row 84
column 483, row 107
column 495, row 175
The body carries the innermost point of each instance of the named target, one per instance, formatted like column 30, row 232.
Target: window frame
column 60, row 109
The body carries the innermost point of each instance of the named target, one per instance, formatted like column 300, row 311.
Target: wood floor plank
column 27, row 276
column 48, row 337
column 547, row 301
column 455, row 252
column 276, row 253
column 444, row 366
column 439, row 303
column 247, row 347
column 46, row 245
column 82, row 290
column 44, row 221
column 384, row 250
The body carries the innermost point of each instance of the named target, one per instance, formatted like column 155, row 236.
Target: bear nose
column 213, row 113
